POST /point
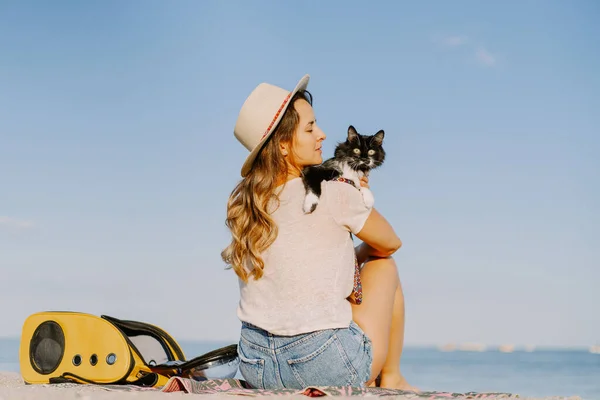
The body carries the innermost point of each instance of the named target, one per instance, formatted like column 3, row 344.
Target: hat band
column 287, row 98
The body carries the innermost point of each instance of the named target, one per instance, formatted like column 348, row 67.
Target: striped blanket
column 238, row 387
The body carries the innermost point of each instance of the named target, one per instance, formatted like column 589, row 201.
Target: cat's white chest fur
column 355, row 176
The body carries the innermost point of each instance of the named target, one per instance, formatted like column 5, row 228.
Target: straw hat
column 259, row 116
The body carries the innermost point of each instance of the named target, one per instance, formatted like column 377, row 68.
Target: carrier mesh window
column 47, row 347
column 151, row 350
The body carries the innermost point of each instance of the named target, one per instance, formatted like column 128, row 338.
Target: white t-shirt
column 309, row 269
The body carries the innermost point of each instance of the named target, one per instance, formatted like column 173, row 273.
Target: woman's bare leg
column 381, row 317
column 391, row 376
column 379, row 283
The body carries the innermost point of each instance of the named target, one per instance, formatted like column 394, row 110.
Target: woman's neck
column 293, row 173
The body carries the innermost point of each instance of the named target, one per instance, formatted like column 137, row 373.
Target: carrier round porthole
column 111, row 358
column 47, row 347
column 77, row 360
column 93, row 359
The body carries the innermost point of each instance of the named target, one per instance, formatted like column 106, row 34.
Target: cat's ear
column 352, row 134
column 378, row 138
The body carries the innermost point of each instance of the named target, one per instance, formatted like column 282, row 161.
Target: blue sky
column 117, row 155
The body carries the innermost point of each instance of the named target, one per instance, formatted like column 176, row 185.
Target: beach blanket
column 238, row 387
column 13, row 387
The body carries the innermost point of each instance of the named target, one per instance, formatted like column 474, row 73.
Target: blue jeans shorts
column 329, row 357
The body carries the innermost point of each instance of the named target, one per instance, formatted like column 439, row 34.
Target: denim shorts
column 329, row 357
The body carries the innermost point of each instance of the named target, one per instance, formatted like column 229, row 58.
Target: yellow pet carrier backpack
column 62, row 346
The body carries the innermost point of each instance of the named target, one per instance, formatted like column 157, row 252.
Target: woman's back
column 309, row 269
column 300, row 327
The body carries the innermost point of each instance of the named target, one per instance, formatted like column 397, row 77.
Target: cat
column 353, row 159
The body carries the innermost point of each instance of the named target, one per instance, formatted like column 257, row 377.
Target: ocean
column 541, row 373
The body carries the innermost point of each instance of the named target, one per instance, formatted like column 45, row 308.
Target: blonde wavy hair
column 248, row 209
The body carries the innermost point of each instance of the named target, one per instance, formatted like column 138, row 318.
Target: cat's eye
column 371, row 152
column 356, row 151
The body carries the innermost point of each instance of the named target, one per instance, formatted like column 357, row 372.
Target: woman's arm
column 364, row 252
column 378, row 236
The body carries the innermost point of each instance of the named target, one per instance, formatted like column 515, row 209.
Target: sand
column 13, row 387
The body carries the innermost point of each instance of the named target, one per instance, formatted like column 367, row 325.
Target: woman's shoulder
column 345, row 203
column 341, row 189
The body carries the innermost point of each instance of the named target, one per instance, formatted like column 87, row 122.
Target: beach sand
column 13, row 387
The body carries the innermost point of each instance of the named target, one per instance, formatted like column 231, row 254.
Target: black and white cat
column 352, row 159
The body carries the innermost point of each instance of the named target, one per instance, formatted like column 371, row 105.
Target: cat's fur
column 351, row 160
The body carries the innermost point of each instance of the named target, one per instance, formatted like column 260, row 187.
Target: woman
column 303, row 322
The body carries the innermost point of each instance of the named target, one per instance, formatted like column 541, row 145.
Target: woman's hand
column 364, row 181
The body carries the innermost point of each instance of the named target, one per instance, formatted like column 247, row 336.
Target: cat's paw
column 367, row 197
column 310, row 203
